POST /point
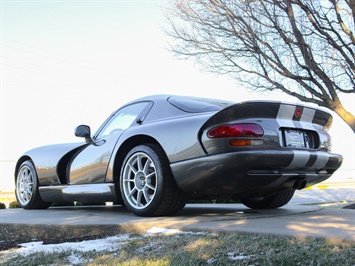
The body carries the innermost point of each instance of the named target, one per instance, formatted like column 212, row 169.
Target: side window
column 122, row 120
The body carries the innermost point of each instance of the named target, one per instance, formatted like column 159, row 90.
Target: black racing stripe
column 298, row 113
column 257, row 110
column 296, row 118
column 311, row 161
column 245, row 111
column 321, row 118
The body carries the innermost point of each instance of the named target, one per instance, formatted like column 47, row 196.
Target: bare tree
column 303, row 48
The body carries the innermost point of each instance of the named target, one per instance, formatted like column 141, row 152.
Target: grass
column 201, row 249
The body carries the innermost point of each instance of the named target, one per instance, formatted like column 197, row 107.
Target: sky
column 65, row 63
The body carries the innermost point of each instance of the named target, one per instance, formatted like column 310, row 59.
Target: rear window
column 198, row 105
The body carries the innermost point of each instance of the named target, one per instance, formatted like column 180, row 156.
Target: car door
column 90, row 165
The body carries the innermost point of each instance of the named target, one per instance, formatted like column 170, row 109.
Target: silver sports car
column 155, row 153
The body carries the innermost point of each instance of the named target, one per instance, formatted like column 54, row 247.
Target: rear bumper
column 250, row 172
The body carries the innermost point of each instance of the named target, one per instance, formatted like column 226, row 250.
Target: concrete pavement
column 293, row 219
column 301, row 217
column 322, row 194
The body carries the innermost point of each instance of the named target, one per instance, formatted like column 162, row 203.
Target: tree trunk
column 347, row 117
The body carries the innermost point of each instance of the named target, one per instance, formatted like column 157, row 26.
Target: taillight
column 236, row 131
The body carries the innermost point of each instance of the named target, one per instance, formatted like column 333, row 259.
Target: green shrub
column 2, row 205
column 14, row 205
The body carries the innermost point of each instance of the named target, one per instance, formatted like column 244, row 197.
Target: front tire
column 147, row 185
column 27, row 193
column 276, row 200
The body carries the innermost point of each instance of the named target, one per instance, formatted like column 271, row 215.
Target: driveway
column 295, row 220
column 303, row 216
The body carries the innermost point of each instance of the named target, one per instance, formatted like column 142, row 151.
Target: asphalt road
column 298, row 218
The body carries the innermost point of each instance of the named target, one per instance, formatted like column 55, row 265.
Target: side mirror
column 83, row 131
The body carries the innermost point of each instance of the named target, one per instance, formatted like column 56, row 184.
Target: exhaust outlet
column 300, row 184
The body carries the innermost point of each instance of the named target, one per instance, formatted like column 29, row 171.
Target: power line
column 53, row 56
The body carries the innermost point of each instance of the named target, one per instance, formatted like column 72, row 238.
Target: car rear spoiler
column 286, row 114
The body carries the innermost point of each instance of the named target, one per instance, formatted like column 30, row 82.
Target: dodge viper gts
column 155, row 153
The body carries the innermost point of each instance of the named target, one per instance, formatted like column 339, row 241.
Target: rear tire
column 276, row 200
column 147, row 185
column 27, row 193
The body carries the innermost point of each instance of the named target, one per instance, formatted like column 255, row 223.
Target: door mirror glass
column 83, row 131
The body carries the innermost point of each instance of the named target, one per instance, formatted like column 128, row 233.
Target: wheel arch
column 125, row 147
column 20, row 161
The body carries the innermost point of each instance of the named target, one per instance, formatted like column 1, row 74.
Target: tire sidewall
column 277, row 200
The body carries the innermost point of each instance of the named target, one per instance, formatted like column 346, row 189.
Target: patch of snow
column 211, row 260
column 31, row 244
column 161, row 231
column 76, row 259
column 166, row 231
column 241, row 256
column 105, row 244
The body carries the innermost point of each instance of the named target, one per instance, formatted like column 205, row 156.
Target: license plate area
column 298, row 139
